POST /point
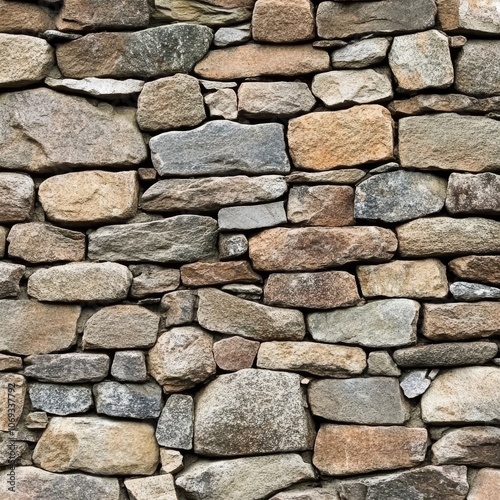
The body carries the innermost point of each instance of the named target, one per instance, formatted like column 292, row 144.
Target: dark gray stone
column 60, row 399
column 470, row 292
column 129, row 366
column 175, row 425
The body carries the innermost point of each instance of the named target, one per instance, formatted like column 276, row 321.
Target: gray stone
column 380, row 363
column 60, row 399
column 469, row 16
column 12, row 394
column 233, row 35
column 414, row 383
column 221, row 147
column 210, row 85
column 9, row 363
column 232, row 245
column 103, row 88
column 412, row 195
column 17, row 197
column 183, row 238
column 175, row 425
column 10, row 277
column 461, row 290
column 371, row 401
column 129, row 366
column 361, row 53
column 350, row 176
column 159, row 487
column 305, row 493
column 249, row 292
column 252, row 412
column 393, row 323
column 12, row 453
column 223, row 103
column 249, row 217
column 3, row 239
column 36, row 420
column 178, row 308
column 153, row 280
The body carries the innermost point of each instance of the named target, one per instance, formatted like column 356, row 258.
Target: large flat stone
column 469, row 16
column 484, row 268
column 59, row 399
column 17, row 197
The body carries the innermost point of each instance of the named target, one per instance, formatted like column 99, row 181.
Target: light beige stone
column 469, row 16
column 8, row 363
column 17, row 197
column 223, row 103
column 152, row 488
column 4, row 231
column 23, row 17
column 10, row 278
column 12, row 394
column 486, row 485
column 218, row 273
column 171, row 461
column 150, row 279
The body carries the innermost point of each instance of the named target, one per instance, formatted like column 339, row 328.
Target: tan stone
column 486, row 485
column 469, row 16
column 355, row 449
column 24, row 17
column 17, row 196
column 404, row 278
column 304, row 249
column 326, row 140
column 8, row 363
column 10, row 278
column 83, row 198
column 223, row 103
column 235, row 353
column 4, row 231
column 150, row 279
column 253, row 60
column 218, row 273
column 171, row 461
column 484, row 268
column 152, row 488
column 12, row 394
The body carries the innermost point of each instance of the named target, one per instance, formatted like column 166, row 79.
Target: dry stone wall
column 250, row 249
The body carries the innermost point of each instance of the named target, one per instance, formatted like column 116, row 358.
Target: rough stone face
column 129, row 366
column 98, row 446
column 10, row 277
column 252, row 216
column 485, row 268
column 232, row 245
column 412, row 195
column 343, row 20
column 178, row 308
column 252, row 412
column 8, row 363
column 233, row 35
column 469, row 16
column 152, row 488
column 183, row 238
column 39, row 242
column 224, row 313
column 361, row 53
column 60, row 399
column 316, row 248
column 416, row 279
column 252, row 60
column 251, row 478
column 175, row 425
column 380, row 363
column 323, row 290
column 393, row 323
column 221, row 147
column 235, row 353
column 305, row 493
column 171, row 461
column 28, row 327
column 463, row 395
column 88, row 198
column 25, row 60
column 12, row 391
column 342, row 450
column 152, row 280
column 45, row 131
column 103, row 88
column 23, row 17
column 485, row 485
column 81, row 282
column 450, row 142
column 462, row 290
column 371, row 401
column 218, row 273
column 414, row 383
column 181, row 358
column 150, row 53
column 3, row 240
column 224, row 103
column 248, row 292
column 17, row 197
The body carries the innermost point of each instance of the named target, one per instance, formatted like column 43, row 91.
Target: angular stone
column 129, row 366
column 88, row 198
column 37, row 242
column 348, row 176
column 249, row 292
column 485, row 485
column 175, row 425
column 178, row 307
column 450, row 142
column 8, row 363
column 218, row 273
column 103, row 88
column 224, row 313
column 485, row 268
column 472, row 292
column 171, row 461
column 153, row 280
column 150, row 53
column 17, row 197
column 392, row 323
column 23, row 17
column 232, row 245
column 380, row 363
column 37, row 420
column 25, row 60
column 233, row 35
column 252, row 60
column 28, row 327
column 251, row 478
column 316, row 248
column 469, row 16
column 60, row 399
column 305, row 493
column 10, row 277
column 463, row 395
column 414, row 383
column 343, row 20
column 252, row 216
column 416, row 279
column 221, row 147
column 98, row 446
column 181, row 358
column 183, row 238
column 12, row 393
column 3, row 240
column 326, row 140
column 264, row 410
column 211, row 193
column 223, row 103
column 81, row 282
column 371, row 401
column 211, row 85
column 361, row 53
column 152, row 488
column 323, row 290
column 235, row 353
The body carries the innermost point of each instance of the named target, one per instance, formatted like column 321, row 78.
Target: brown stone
column 17, row 195
column 12, row 394
column 323, row 290
column 253, row 60
column 304, row 249
column 178, row 308
column 332, row 139
column 342, row 450
column 8, row 363
column 150, row 279
column 469, row 16
column 218, row 273
column 483, row 268
column 24, row 17
column 235, row 353
column 486, row 485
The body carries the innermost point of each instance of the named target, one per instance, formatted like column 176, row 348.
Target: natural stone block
column 361, row 53
column 12, row 393
column 178, row 308
column 129, row 366
column 380, row 363
column 249, row 217
column 414, row 383
column 469, row 16
column 175, row 425
column 233, row 35
column 10, row 277
column 485, row 485
column 152, row 280
column 17, row 197
column 9, row 363
column 485, row 268
column 171, row 461
column 218, row 273
column 463, row 291
column 223, row 103
column 152, row 488
column 235, row 353
column 232, row 245
column 59, row 399
column 23, row 17
column 3, row 240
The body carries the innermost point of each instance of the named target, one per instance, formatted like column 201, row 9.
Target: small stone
column 304, row 493
column 175, row 425
column 249, row 292
column 12, row 392
column 386, row 167
column 8, row 363
column 235, row 353
column 468, row 16
column 223, row 103
column 380, row 363
column 462, row 290
column 485, row 485
column 152, row 280
column 10, row 277
column 60, row 399
column 361, row 53
column 233, row 35
column 36, row 420
column 425, row 103
column 329, row 44
column 178, row 307
column 59, row 36
column 147, row 174
column 485, row 268
column 129, row 366
column 3, row 240
column 23, row 17
column 17, row 193
column 209, row 85
column 103, row 88
column 152, row 488
column 414, row 383
column 171, row 461
column 252, row 216
column 232, row 245
column 348, row 176
column 457, row 42
column 218, row 273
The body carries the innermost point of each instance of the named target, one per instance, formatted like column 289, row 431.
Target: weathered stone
column 98, row 445
column 28, row 327
column 485, row 268
column 463, row 395
column 223, row 103
column 235, row 353
column 249, row 292
column 323, row 290
column 23, row 17
column 252, row 412
column 181, row 358
column 151, row 488
column 171, row 461
column 270, row 99
column 12, row 393
column 88, row 198
column 233, row 35
column 469, row 16
column 485, row 485
column 13, row 453
column 10, row 277
column 316, row 248
column 305, row 493
column 103, row 88
column 342, row 450
column 251, row 60
column 39, row 242
column 380, row 363
column 361, row 53
column 348, row 176
column 129, row 366
column 60, row 399
column 326, row 140
column 371, row 401
column 150, row 53
column 251, row 478
column 224, row 313
column 8, row 363
column 3, row 240
column 36, row 420
column 81, row 282
column 183, row 238
column 343, row 20
column 414, row 383
column 221, row 147
column 57, row 36
column 153, row 280
column 450, row 142
column 252, row 216
column 461, row 290
column 25, row 60
column 392, row 323
column 232, row 245
column 178, row 307
column 210, row 85
column 218, row 273
column 17, row 194
column 175, row 425
column 416, row 279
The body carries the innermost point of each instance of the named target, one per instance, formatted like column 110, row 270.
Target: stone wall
column 249, row 250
